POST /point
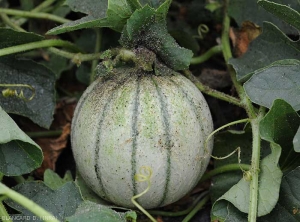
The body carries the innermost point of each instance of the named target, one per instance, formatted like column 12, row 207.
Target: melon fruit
column 135, row 118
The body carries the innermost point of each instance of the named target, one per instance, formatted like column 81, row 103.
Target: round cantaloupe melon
column 134, row 119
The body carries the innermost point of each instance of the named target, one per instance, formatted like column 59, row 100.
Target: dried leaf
column 242, row 37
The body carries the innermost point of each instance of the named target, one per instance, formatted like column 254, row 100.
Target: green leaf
column 96, row 13
column 284, row 12
column 118, row 12
column 18, row 153
column 226, row 143
column 280, row 125
column 87, row 193
column 268, row 190
column 280, row 80
column 92, row 212
column 103, row 13
column 146, row 28
column 272, row 45
column 54, row 181
column 287, row 208
column 41, row 108
column 296, row 141
column 242, row 10
column 61, row 202
column 225, row 211
column 9, row 37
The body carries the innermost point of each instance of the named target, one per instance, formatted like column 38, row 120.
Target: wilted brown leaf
column 242, row 37
column 52, row 147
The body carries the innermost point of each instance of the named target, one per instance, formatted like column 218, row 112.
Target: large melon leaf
column 18, row 153
column 284, row 12
column 272, row 45
column 280, row 80
column 61, row 202
column 280, row 125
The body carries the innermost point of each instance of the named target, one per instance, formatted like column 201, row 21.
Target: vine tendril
column 9, row 92
column 145, row 174
column 246, row 174
column 202, row 29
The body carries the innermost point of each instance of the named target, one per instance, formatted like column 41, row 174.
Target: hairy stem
column 27, row 203
column 255, row 119
column 37, row 45
column 227, row 55
column 211, row 92
column 255, row 161
column 207, row 55
column 39, row 8
column 223, row 169
column 38, row 15
column 10, row 23
column 77, row 58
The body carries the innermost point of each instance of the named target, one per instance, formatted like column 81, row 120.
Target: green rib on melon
column 138, row 119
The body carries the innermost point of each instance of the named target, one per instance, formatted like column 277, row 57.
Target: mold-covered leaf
column 9, row 37
column 61, row 202
column 18, row 153
column 272, row 45
column 296, row 141
column 280, row 80
column 242, row 10
column 54, row 181
column 147, row 28
column 284, row 12
column 41, row 108
column 287, row 208
column 280, row 125
column 92, row 212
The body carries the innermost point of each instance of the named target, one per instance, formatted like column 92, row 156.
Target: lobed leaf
column 280, row 80
column 61, row 202
column 284, row 12
column 54, row 181
column 103, row 13
column 92, row 212
column 279, row 126
column 18, row 153
column 272, row 45
column 287, row 208
column 233, row 187
column 268, row 190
